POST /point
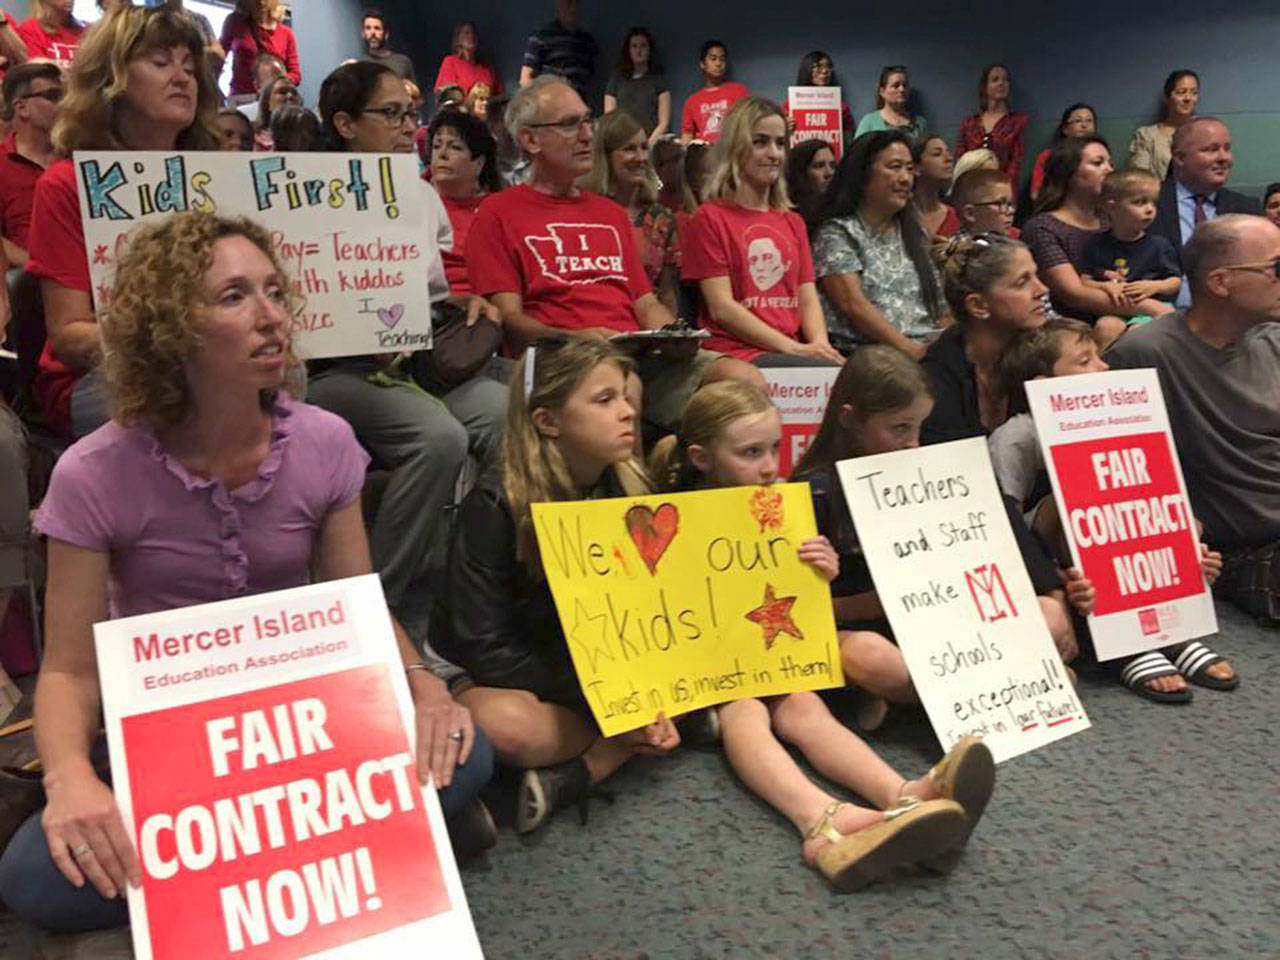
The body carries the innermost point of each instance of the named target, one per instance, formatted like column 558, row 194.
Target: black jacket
column 1166, row 223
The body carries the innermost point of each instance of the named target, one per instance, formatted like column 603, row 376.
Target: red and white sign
column 1123, row 502
column 817, row 115
column 800, row 394
column 263, row 760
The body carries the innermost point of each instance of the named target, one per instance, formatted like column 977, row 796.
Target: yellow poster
column 675, row 602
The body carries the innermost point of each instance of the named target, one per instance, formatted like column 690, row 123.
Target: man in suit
column 1195, row 190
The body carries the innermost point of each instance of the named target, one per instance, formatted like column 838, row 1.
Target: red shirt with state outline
column 704, row 111
column 764, row 253
column 59, row 46
column 573, row 260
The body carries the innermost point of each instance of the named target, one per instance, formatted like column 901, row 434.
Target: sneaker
column 700, row 728
column 548, row 789
column 472, row 830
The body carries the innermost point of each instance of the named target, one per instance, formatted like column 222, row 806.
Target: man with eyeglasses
column 1219, row 367
column 555, row 258
column 31, row 95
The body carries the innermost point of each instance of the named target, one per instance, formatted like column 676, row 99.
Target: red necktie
column 1200, row 216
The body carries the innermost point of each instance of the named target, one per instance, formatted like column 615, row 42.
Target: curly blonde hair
column 149, row 328
column 100, row 74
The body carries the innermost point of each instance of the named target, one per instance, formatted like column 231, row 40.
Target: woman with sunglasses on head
column 423, row 440
column 995, row 126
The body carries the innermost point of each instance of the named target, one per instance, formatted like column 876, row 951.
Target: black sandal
column 1152, row 666
column 1194, row 661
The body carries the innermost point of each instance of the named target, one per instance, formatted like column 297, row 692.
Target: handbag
column 458, row 352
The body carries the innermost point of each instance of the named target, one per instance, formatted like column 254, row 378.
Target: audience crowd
column 198, row 459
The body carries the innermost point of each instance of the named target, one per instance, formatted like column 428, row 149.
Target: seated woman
column 992, row 288
column 811, row 165
column 1067, row 217
column 995, row 127
column 933, row 177
column 730, row 436
column 893, row 97
column 1078, row 120
column 1151, row 148
column 464, row 170
column 620, row 170
column 423, row 440
column 570, row 435
column 278, row 92
column 210, row 482
column 749, row 253
column 871, row 255
column 147, row 58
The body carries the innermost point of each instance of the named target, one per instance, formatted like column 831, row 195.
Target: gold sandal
column 911, row 831
column 967, row 775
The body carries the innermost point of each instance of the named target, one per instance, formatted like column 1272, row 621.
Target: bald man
column 1219, row 367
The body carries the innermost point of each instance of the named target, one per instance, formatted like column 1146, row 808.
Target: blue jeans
column 35, row 890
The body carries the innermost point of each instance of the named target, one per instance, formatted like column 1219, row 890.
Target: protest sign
column 263, row 760
column 1119, row 488
column 953, row 584
column 800, row 394
column 351, row 230
column 677, row 602
column 816, row 112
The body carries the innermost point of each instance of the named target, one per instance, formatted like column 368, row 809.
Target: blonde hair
column 1123, row 184
column 249, row 9
column 533, row 466
column 100, row 75
column 44, row 12
column 149, row 327
column 709, row 413
column 613, row 131
column 974, row 160
column 734, row 147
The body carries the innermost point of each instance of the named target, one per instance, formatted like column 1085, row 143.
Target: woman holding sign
column 570, row 435
column 210, row 482
column 730, row 436
column 165, row 101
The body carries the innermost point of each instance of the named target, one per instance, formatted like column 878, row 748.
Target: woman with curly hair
column 210, row 482
column 138, row 83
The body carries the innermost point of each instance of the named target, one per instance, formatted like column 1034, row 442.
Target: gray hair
column 524, row 108
column 1215, row 242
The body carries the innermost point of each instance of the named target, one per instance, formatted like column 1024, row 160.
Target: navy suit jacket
column 1166, row 223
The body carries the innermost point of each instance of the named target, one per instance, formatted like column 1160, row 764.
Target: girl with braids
column 570, row 435
column 730, row 436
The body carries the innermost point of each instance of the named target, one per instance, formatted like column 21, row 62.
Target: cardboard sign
column 954, row 586
column 677, row 602
column 817, row 115
column 1120, row 493
column 350, row 229
column 263, row 760
column 800, row 394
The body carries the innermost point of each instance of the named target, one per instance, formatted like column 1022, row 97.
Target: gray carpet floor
column 1156, row 833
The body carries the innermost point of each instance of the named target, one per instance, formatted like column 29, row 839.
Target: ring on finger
column 456, row 736
column 80, row 851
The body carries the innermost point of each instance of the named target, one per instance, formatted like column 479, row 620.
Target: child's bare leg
column 872, row 662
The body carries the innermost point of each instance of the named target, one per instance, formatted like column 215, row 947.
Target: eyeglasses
column 1004, row 206
column 394, row 116
column 569, row 126
column 1271, row 266
column 53, row 95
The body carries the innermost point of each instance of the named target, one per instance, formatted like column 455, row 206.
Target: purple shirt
column 176, row 539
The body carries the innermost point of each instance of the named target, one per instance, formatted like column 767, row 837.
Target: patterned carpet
column 1154, row 834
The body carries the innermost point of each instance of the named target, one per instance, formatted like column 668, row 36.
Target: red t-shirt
column 57, row 254
column 764, row 253
column 18, row 177
column 60, row 47
column 705, row 110
column 243, row 41
column 462, row 214
column 950, row 223
column 572, row 259
column 456, row 72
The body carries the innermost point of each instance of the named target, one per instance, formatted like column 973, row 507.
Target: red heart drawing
column 652, row 531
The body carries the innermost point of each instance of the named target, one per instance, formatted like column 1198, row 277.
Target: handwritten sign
column 350, row 228
column 673, row 603
column 817, row 115
column 956, row 591
column 800, row 394
column 1120, row 492
column 264, row 764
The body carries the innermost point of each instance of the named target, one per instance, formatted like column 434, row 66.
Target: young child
column 730, row 436
column 983, row 201
column 1130, row 265
column 706, row 109
column 570, row 435
column 1060, row 348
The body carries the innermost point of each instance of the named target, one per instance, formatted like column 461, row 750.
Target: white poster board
column 954, row 587
column 262, row 753
column 817, row 116
column 1119, row 489
column 350, row 229
column 800, row 394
